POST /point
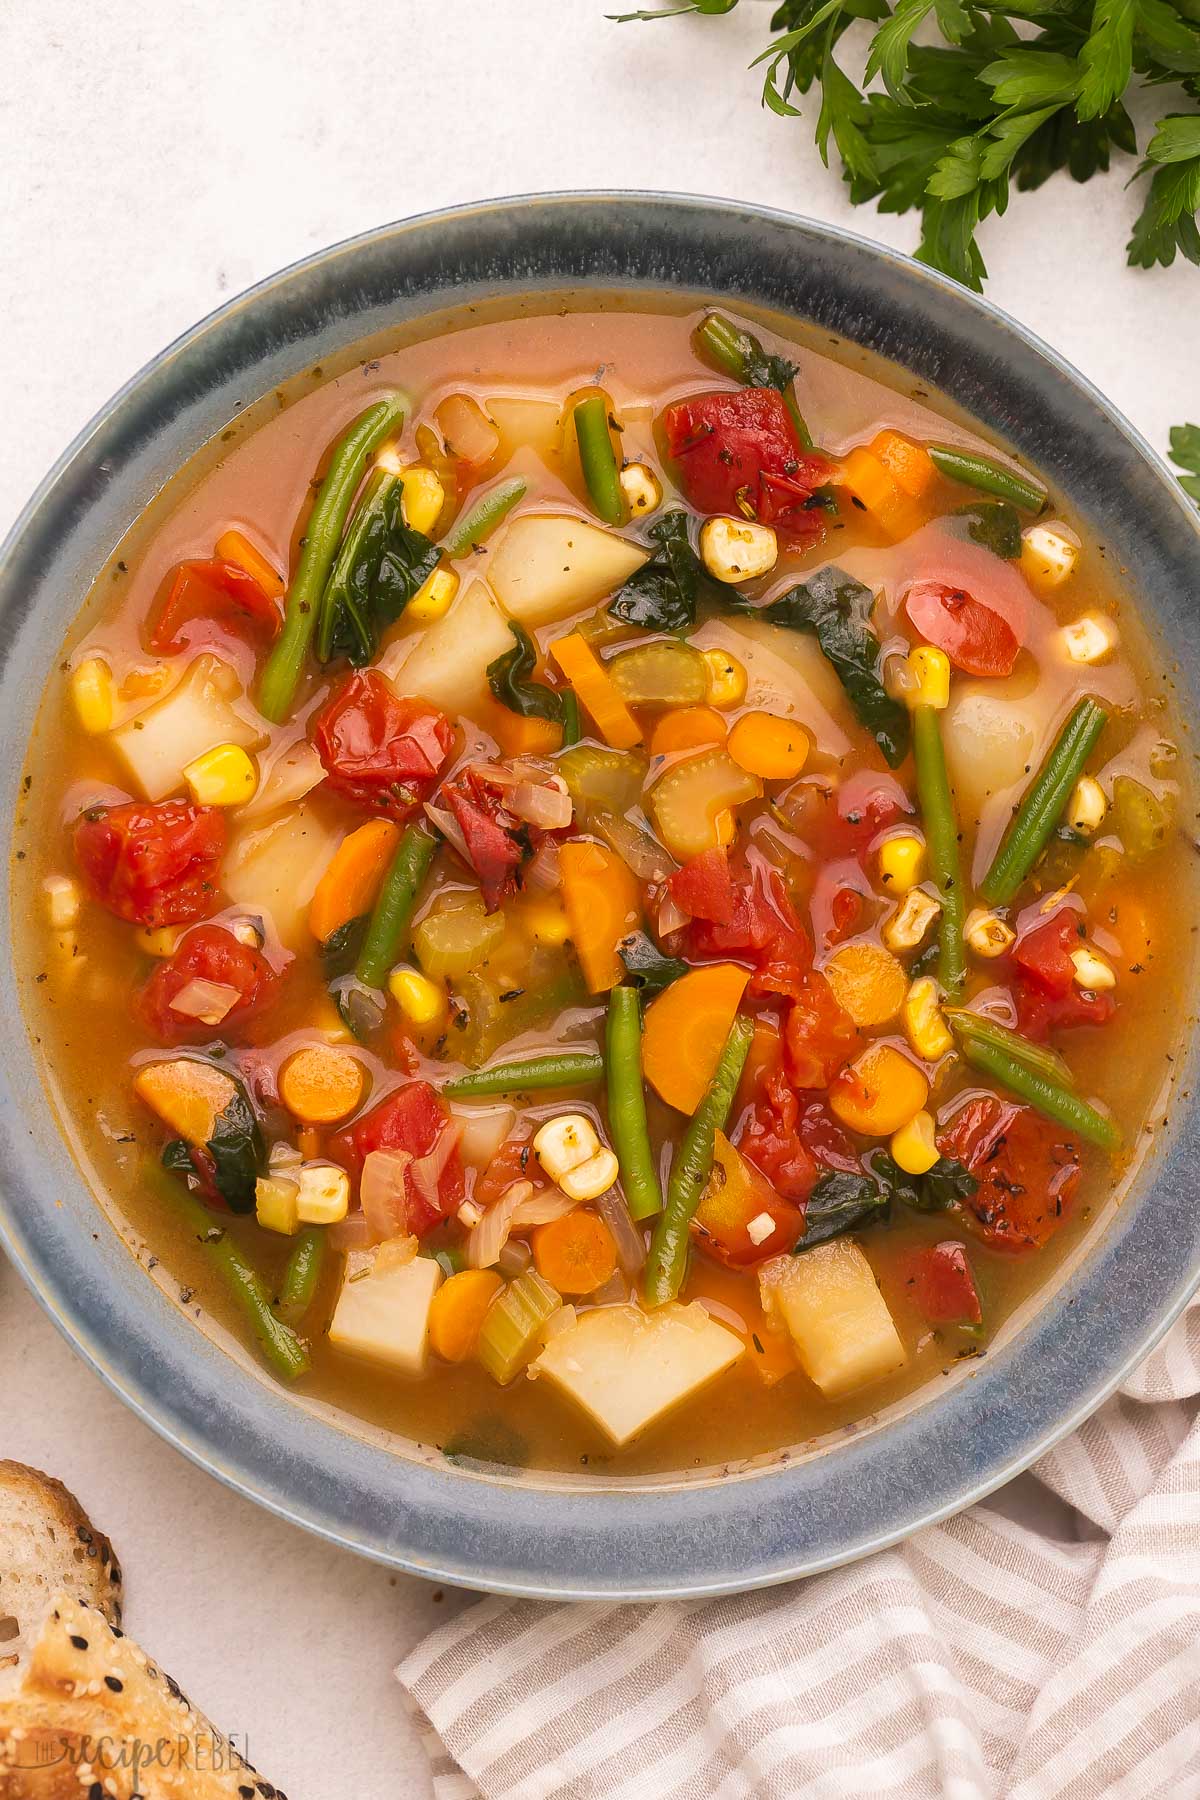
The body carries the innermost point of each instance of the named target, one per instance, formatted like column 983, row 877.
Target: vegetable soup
column 626, row 871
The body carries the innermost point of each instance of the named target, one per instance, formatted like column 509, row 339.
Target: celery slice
column 512, row 1327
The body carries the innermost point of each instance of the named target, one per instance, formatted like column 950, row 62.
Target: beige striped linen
column 978, row 1660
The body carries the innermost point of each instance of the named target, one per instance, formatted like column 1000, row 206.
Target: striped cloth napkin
column 975, row 1661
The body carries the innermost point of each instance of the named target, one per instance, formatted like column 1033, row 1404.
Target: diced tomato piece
column 203, row 604
column 206, row 953
column 820, row 1035
column 152, row 864
column 412, row 1118
column 1043, row 952
column 738, row 1197
column 704, row 887
column 1040, row 1013
column 381, row 752
column 824, row 1138
column 513, row 1161
column 840, row 900
column 738, row 452
column 943, row 1285
column 789, row 1139
column 1026, row 1168
column 497, row 842
column 976, row 639
column 763, row 931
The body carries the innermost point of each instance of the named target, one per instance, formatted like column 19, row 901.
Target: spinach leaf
column 236, row 1149
column 836, row 609
column 942, row 1186
column 841, row 1202
column 509, row 680
column 381, row 564
column 177, row 1157
column 339, row 952
column 488, row 1439
column 996, row 524
column 645, row 965
column 662, row 594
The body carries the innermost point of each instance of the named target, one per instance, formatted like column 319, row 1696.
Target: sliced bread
column 47, row 1543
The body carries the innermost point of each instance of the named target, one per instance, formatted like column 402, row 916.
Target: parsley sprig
column 994, row 97
column 1185, row 453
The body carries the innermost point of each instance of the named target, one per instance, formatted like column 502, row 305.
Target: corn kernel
column 432, row 599
column 62, row 900
column 929, row 670
column 324, row 1195
column 423, row 497
column 727, row 679
column 565, row 1143
column 275, row 1204
column 421, row 1000
column 1090, row 639
column 95, row 695
column 737, row 549
column 914, row 1146
column 1087, row 805
column 910, row 923
column 641, row 488
column 329, row 1022
column 1048, row 556
column 901, row 862
column 924, row 1025
column 592, row 1178
column 1091, row 971
column 987, row 934
column 163, row 941
column 548, row 923
column 224, row 776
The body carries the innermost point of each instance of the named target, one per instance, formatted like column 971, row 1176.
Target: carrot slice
column 909, row 465
column 686, row 1029
column 518, row 736
column 456, row 1312
column 687, row 728
column 575, row 1254
column 348, row 887
column 597, row 692
column 879, row 1092
column 232, row 547
column 604, row 904
column 765, row 745
column 874, row 487
column 321, row 1085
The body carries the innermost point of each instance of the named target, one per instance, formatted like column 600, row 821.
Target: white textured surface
column 156, row 158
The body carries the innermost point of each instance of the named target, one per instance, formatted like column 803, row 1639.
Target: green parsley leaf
column 1185, row 451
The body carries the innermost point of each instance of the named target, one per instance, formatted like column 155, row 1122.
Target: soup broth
column 566, row 707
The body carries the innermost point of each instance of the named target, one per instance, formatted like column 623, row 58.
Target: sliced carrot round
column 575, row 1254
column 321, row 1085
column 685, row 1032
column 879, row 1092
column 687, row 728
column 765, row 745
column 457, row 1310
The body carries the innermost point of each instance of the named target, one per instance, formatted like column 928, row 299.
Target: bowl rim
column 480, row 1562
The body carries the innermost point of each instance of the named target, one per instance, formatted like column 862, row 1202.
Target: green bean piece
column 287, row 1354
column 322, row 534
column 479, row 521
column 564, row 1069
column 394, row 907
column 666, row 1263
column 571, row 729
column 598, row 459
column 1049, row 1097
column 302, row 1276
column 738, row 354
column 1040, row 810
column 627, row 1104
column 989, row 476
column 337, row 591
column 1040, row 1058
column 941, row 835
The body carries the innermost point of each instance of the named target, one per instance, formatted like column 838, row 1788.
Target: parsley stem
column 988, row 476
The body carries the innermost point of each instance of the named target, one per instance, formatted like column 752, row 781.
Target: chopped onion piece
column 350, row 1233
column 547, row 807
column 544, row 872
column 293, row 773
column 671, row 916
column 451, row 830
column 643, row 853
column 631, row 1245
column 427, row 1171
column 383, row 1192
column 491, row 1234
column 615, row 1291
column 207, row 1001
column 514, row 1259
column 482, row 1131
column 542, row 1208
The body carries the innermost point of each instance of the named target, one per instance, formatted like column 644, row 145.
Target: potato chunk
column 548, row 566
column 196, row 716
column 447, row 665
column 626, row 1368
column 838, row 1319
column 382, row 1312
column 276, row 867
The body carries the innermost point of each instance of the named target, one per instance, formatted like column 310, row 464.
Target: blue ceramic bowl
column 536, row 1534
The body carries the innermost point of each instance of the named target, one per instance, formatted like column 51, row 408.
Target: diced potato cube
column 838, row 1319
column 448, row 663
column 382, row 1312
column 275, row 869
column 626, row 1368
column 546, row 567
column 187, row 1095
column 195, row 716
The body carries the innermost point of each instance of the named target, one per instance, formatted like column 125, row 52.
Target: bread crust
column 95, row 1719
column 47, row 1542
